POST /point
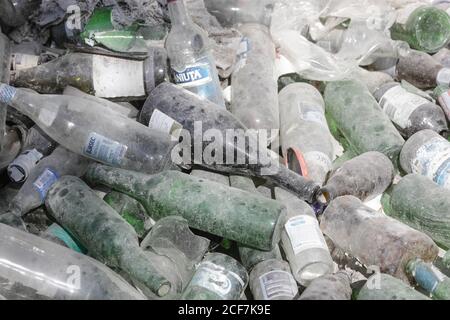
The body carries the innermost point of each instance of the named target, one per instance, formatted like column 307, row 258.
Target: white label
column 24, row 61
column 104, row 149
column 399, row 104
column 304, row 233
column 47, row 117
column 433, row 161
column 312, row 116
column 444, row 101
column 277, row 283
column 162, row 122
column 114, row 77
column 320, row 159
column 443, row 77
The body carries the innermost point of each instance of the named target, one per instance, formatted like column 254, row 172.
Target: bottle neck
column 178, row 13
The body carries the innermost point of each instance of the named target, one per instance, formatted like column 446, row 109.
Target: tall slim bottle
column 191, row 60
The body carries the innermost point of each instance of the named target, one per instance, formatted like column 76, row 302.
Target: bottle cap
column 20, row 168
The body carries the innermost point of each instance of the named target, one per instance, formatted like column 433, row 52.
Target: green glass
column 431, row 280
column 427, row 29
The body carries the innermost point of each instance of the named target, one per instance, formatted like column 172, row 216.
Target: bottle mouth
column 324, row 196
column 296, row 162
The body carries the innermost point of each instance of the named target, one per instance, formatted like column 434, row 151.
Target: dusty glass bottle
column 373, row 80
column 410, row 112
column 373, row 238
column 427, row 29
column 217, row 277
column 329, row 287
column 256, row 105
column 34, row 268
column 191, row 60
column 104, row 233
column 88, row 129
column 364, row 177
column 306, row 141
column 360, row 119
column 430, row 279
column 443, row 57
column 168, row 105
column 208, row 206
column 428, row 154
column 422, row 204
column 422, row 71
column 442, row 95
column 385, row 287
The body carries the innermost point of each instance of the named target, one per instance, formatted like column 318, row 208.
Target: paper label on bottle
column 21, row 61
column 217, row 279
column 443, row 77
column 432, row 160
column 114, row 77
column 319, row 159
column 276, row 284
column 399, row 104
column 104, row 149
column 43, row 183
column 444, row 101
column 163, row 123
column 305, row 234
column 312, row 116
column 47, row 117
column 7, row 93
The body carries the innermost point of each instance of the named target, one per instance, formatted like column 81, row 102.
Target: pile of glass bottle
column 119, row 179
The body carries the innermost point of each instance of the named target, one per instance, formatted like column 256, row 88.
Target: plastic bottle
column 256, row 105
column 86, row 128
column 191, row 60
column 34, row 268
column 306, row 141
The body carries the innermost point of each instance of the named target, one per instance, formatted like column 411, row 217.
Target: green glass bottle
column 104, row 233
column 131, row 210
column 430, row 279
column 427, row 29
column 208, row 206
column 422, row 204
column 361, row 120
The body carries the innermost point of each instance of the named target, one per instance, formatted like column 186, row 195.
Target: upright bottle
column 303, row 241
column 410, row 112
column 37, row 145
column 169, row 107
column 422, row 71
column 191, row 60
column 430, row 279
column 208, row 206
column 33, row 192
column 423, row 205
column 329, row 287
column 364, row 177
column 102, row 76
column 88, row 129
column 218, row 277
column 306, row 140
column 361, row 121
column 34, row 268
column 256, row 105
column 104, row 233
column 427, row 29
column 373, row 238
column 428, row 154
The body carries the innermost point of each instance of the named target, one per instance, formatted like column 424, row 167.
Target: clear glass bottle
column 329, row 287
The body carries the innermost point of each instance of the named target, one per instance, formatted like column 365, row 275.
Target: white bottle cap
column 20, row 168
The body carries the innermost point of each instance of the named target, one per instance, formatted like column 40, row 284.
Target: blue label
column 104, row 149
column 426, row 278
column 43, row 183
column 7, row 93
column 193, row 76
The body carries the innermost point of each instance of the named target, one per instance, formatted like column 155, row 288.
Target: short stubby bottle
column 191, row 61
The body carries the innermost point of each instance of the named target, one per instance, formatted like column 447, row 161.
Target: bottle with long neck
column 306, row 140
column 423, row 205
column 410, row 112
column 373, row 238
column 102, row 76
column 256, row 105
column 191, row 60
column 421, row 70
column 208, row 206
column 360, row 119
column 105, row 234
column 430, row 279
column 34, row 268
column 88, row 129
column 33, row 192
column 364, row 177
column 426, row 29
column 329, row 287
column 169, row 106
